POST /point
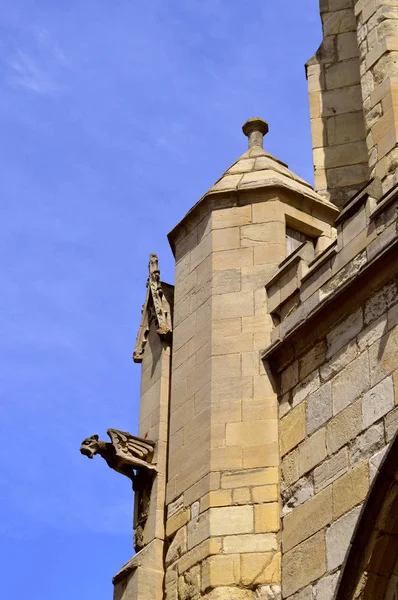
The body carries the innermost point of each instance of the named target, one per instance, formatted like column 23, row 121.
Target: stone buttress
column 222, row 493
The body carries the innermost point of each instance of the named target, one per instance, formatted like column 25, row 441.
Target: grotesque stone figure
column 125, row 454
column 131, row 456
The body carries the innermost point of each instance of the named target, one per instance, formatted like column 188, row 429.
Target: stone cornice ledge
column 311, row 308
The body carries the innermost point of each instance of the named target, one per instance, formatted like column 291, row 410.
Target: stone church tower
column 270, row 369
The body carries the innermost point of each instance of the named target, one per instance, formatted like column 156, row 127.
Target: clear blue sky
column 115, row 116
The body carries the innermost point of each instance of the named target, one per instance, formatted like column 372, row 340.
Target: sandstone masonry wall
column 335, row 351
column 336, row 110
column 338, row 414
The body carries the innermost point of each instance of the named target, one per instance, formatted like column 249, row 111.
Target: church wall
column 335, row 356
column 338, row 413
column 336, row 111
column 377, row 32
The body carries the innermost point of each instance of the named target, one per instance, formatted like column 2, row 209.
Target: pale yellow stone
column 250, row 362
column 265, row 493
column 231, row 520
column 259, row 407
column 216, row 498
column 258, row 542
column 260, row 568
column 220, row 570
column 229, row 344
column 266, row 517
column 264, row 455
column 270, row 254
column 269, row 211
column 225, row 327
column 249, row 477
column 232, row 259
column 307, row 519
column 258, row 234
column 241, row 496
column 350, row 489
column 251, row 433
column 226, row 458
column 236, row 304
column 177, row 521
column 226, row 239
column 231, row 217
column 292, row 428
column 199, row 553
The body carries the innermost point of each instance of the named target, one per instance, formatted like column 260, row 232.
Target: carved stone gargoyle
column 125, row 454
column 131, row 456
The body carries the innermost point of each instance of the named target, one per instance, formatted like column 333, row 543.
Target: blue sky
column 116, row 116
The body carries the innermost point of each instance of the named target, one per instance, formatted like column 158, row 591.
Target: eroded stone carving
column 131, row 456
column 125, row 453
column 155, row 307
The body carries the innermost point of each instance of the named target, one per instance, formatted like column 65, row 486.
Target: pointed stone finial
column 255, row 129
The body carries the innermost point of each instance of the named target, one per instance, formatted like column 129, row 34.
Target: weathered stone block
column 189, row 584
column 249, row 477
column 325, row 588
column 297, row 494
column 378, row 402
column 372, row 333
column 292, row 429
column 260, row 568
column 343, row 333
column 307, row 519
column 331, row 469
column 304, row 564
column 350, row 383
column 289, row 377
column 312, row 451
column 338, row 361
column 220, row 570
column 259, row 542
column 319, row 407
column 367, row 443
column 199, row 553
column 290, row 468
column 177, row 521
column 338, row 537
column 350, row 489
column 177, row 547
column 306, row 387
column 344, row 427
column 391, row 424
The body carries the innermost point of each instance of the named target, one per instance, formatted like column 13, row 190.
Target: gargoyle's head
column 90, row 446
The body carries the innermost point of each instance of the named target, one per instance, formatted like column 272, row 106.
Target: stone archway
column 370, row 570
